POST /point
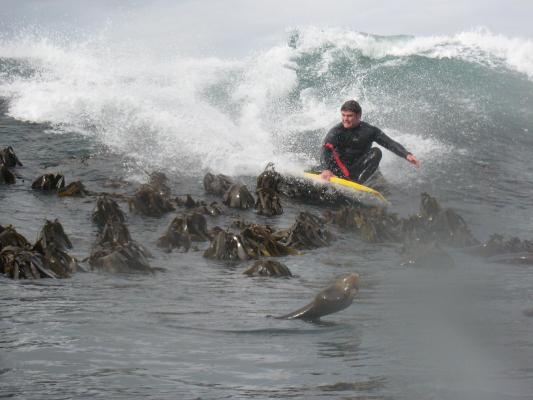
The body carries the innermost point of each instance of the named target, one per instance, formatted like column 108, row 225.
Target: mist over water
column 137, row 102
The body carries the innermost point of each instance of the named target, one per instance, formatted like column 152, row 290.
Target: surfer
column 347, row 150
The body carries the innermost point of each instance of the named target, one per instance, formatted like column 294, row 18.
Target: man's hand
column 327, row 174
column 412, row 159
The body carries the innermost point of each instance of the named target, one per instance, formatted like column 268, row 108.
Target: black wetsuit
column 348, row 152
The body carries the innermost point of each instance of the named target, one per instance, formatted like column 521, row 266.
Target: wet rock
column 115, row 251
column 212, row 209
column 429, row 206
column 432, row 223
column 240, row 223
column 106, row 210
column 376, row 225
column 435, row 224
column 415, row 228
column 124, row 258
column 159, row 182
column 188, row 202
column 176, row 236
column 9, row 158
column 513, row 251
column 373, row 224
column 214, row 231
column 227, row 246
column 310, row 192
column 52, row 232
column 22, row 263
column 268, row 268
column 197, row 227
column 10, row 237
column 268, row 193
column 238, row 196
column 114, row 233
column 49, row 182
column 497, row 244
column 183, row 230
column 6, row 176
column 452, row 229
column 53, row 243
column 60, row 262
column 217, row 184
column 306, row 233
column 73, row 189
column 147, row 201
column 259, row 241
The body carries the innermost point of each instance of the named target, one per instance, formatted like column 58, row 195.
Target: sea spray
column 189, row 115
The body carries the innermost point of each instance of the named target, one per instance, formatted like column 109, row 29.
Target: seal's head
column 350, row 283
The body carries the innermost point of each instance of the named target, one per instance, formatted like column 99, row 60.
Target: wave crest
column 233, row 116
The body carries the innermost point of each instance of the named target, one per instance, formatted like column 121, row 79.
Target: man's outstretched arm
column 385, row 141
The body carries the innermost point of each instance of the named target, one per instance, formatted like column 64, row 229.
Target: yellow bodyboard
column 348, row 184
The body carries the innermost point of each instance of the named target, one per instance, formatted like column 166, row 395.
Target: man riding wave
column 347, row 150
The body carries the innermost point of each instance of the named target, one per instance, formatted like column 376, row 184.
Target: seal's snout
column 352, row 281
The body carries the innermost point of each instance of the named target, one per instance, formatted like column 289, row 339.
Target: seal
column 336, row 297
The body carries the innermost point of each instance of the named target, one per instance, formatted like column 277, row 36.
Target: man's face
column 350, row 119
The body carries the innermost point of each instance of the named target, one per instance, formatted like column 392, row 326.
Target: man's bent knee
column 376, row 153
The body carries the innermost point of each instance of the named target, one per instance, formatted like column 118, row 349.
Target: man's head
column 351, row 114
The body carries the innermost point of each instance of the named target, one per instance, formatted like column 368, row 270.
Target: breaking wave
column 180, row 113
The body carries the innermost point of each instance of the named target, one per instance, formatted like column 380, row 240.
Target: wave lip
column 478, row 45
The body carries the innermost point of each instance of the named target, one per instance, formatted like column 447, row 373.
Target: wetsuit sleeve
column 330, row 143
column 385, row 141
column 331, row 158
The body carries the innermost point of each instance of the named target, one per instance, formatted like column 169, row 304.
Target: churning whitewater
column 194, row 114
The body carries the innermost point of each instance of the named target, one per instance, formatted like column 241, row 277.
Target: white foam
column 191, row 114
column 154, row 109
column 429, row 151
column 476, row 45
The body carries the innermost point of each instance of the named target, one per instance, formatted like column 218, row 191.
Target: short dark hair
column 352, row 105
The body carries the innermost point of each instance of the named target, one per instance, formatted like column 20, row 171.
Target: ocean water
column 96, row 109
